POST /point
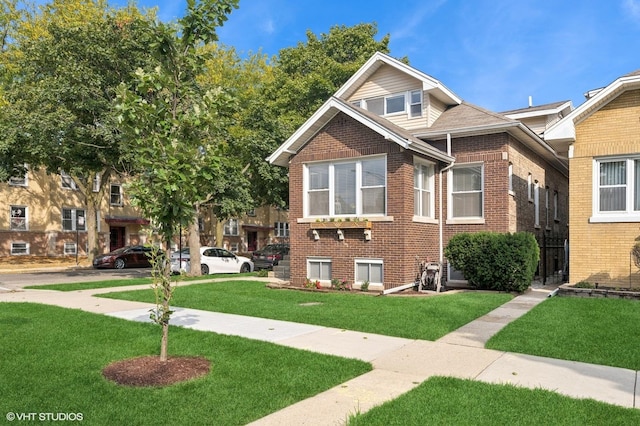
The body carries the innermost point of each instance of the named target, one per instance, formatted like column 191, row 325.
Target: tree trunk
column 164, row 344
column 194, row 247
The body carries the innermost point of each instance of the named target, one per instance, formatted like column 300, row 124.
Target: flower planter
column 362, row 224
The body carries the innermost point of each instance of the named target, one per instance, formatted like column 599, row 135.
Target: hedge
column 495, row 261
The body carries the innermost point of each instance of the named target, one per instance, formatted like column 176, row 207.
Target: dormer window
column 397, row 103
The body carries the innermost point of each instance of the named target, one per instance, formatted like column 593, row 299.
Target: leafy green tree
column 62, row 68
column 303, row 78
column 178, row 132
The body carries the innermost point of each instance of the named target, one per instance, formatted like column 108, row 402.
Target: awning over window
column 111, row 220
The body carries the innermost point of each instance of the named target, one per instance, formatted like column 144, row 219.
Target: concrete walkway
column 399, row 364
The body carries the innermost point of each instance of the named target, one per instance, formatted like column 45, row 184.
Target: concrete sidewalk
column 399, row 364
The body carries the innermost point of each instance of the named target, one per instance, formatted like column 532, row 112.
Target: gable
column 613, row 129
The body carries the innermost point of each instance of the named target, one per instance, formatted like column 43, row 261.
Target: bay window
column 346, row 188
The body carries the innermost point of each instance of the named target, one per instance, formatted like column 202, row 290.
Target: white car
column 213, row 260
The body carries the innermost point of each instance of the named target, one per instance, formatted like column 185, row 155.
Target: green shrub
column 584, row 284
column 495, row 261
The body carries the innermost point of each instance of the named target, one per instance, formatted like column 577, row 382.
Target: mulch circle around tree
column 150, row 371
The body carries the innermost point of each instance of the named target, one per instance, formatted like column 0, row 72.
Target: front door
column 116, row 237
column 252, row 241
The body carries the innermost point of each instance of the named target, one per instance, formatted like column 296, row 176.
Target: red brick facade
column 396, row 239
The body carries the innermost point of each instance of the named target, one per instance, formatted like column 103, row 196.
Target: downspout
column 441, row 224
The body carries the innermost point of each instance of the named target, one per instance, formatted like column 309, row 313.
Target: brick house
column 396, row 147
column 45, row 215
column 603, row 144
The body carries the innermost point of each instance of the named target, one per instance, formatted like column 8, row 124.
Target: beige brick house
column 602, row 137
column 46, row 215
column 394, row 164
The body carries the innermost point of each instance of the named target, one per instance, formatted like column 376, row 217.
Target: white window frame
column 418, row 167
column 530, row 187
column 536, row 204
column 464, row 219
column 547, row 222
column 20, row 181
column 67, row 182
column 510, row 177
column 412, row 104
column 70, row 248
column 369, row 263
column 626, row 215
column 233, row 247
column 556, row 216
column 231, row 228
column 321, row 261
column 74, row 219
column 407, row 103
column 20, row 252
column 96, row 183
column 120, row 201
column 358, row 188
column 281, row 229
column 13, row 211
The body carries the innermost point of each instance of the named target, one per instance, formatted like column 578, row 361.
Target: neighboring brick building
column 395, row 147
column 602, row 137
column 46, row 215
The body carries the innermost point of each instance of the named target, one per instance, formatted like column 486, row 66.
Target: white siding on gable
column 436, row 108
column 386, row 81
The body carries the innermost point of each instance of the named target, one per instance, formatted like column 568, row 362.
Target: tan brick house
column 394, row 164
column 45, row 215
column 602, row 137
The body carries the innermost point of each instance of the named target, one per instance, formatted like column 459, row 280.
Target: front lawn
column 52, row 361
column 597, row 331
column 427, row 318
column 450, row 401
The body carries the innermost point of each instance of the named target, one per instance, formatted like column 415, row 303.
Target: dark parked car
column 269, row 256
column 124, row 257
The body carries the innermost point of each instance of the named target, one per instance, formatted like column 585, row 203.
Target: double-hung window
column 423, row 190
column 281, row 229
column 66, row 181
column 19, row 180
column 19, row 218
column 346, row 188
column 74, row 220
column 466, row 193
column 616, row 189
column 231, row 227
column 115, row 195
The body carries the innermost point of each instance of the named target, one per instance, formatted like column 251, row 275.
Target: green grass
column 598, row 331
column 427, row 318
column 52, row 360
column 449, row 401
column 89, row 285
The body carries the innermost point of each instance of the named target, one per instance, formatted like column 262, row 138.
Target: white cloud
column 632, row 7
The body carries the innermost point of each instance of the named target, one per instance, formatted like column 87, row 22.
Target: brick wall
column 600, row 252
column 398, row 241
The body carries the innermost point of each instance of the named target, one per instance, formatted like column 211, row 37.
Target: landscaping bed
column 570, row 290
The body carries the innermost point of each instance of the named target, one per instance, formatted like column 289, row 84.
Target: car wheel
column 119, row 263
column 204, row 269
column 245, row 268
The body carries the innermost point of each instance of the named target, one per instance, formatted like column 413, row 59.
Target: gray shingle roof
column 468, row 115
column 552, row 105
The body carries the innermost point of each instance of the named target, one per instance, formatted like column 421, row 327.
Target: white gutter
column 441, row 224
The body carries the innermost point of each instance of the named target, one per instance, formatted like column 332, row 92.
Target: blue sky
column 493, row 53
